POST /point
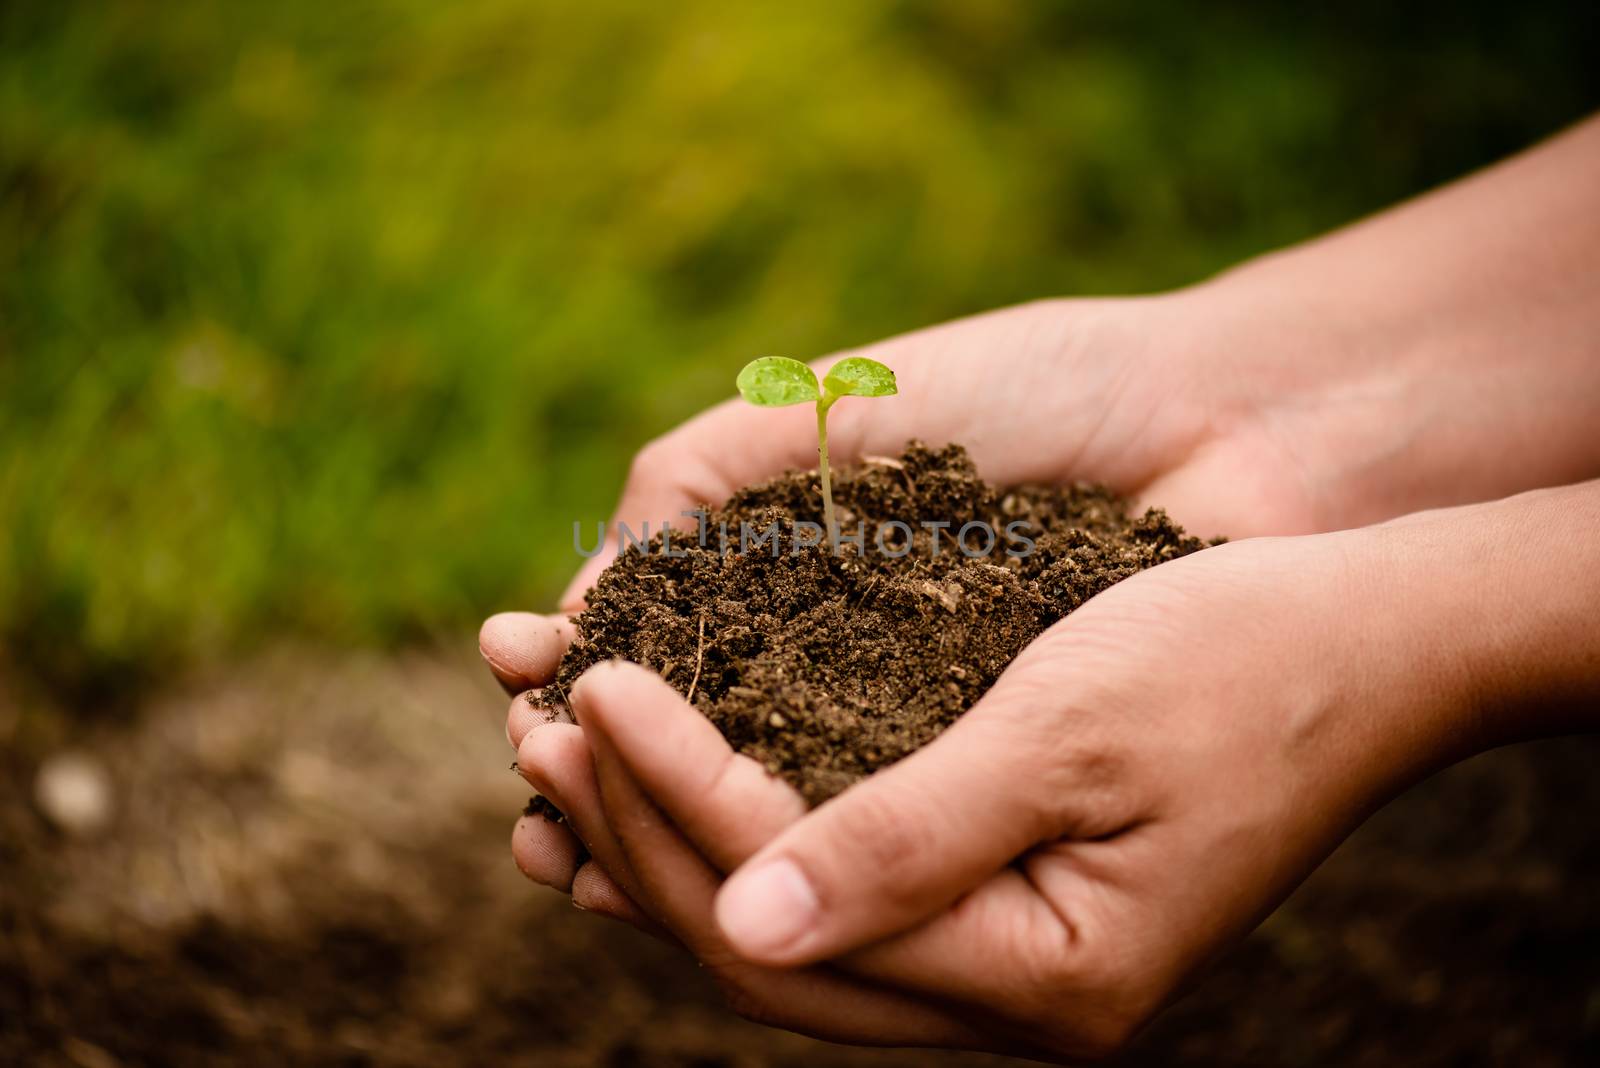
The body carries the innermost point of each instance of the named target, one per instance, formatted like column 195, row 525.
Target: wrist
column 1337, row 383
column 1485, row 618
column 1439, row 353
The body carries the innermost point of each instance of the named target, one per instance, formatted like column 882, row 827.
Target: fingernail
column 767, row 910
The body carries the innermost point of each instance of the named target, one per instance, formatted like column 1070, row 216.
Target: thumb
column 903, row 845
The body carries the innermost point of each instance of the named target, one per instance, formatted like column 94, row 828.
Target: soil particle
column 827, row 666
column 539, row 806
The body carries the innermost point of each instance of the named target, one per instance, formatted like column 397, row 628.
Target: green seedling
column 777, row 381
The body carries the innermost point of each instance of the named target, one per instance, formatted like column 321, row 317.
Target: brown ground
column 309, row 866
column 826, row 666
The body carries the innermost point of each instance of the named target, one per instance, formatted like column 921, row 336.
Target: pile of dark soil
column 827, row 666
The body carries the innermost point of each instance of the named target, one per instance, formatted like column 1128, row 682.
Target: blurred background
column 321, row 322
column 327, row 319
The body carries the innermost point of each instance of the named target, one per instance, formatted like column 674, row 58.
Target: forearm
column 1450, row 347
column 1490, row 615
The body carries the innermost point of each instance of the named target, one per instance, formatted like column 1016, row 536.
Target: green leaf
column 860, row 377
column 774, row 381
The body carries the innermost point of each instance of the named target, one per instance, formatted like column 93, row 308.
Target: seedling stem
column 822, row 463
column 776, row 381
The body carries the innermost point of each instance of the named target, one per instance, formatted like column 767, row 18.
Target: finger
column 595, row 891
column 522, row 649
column 815, row 1001
column 525, row 714
column 724, row 802
column 545, row 852
column 901, row 846
column 668, row 876
column 555, row 760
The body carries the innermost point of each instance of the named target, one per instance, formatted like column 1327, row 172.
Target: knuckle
column 718, row 783
column 1086, row 784
column 883, row 838
column 1096, row 778
column 1094, row 766
column 1075, row 998
column 1047, row 967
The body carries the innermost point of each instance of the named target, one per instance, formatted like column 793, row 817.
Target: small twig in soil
column 699, row 659
column 886, row 461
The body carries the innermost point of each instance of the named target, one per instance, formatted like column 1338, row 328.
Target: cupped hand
column 1144, row 783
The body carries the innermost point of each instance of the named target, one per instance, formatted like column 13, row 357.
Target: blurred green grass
column 327, row 319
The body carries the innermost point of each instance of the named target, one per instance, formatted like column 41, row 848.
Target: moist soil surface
column 825, row 666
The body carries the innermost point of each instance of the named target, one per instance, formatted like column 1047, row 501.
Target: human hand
column 1141, row 786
